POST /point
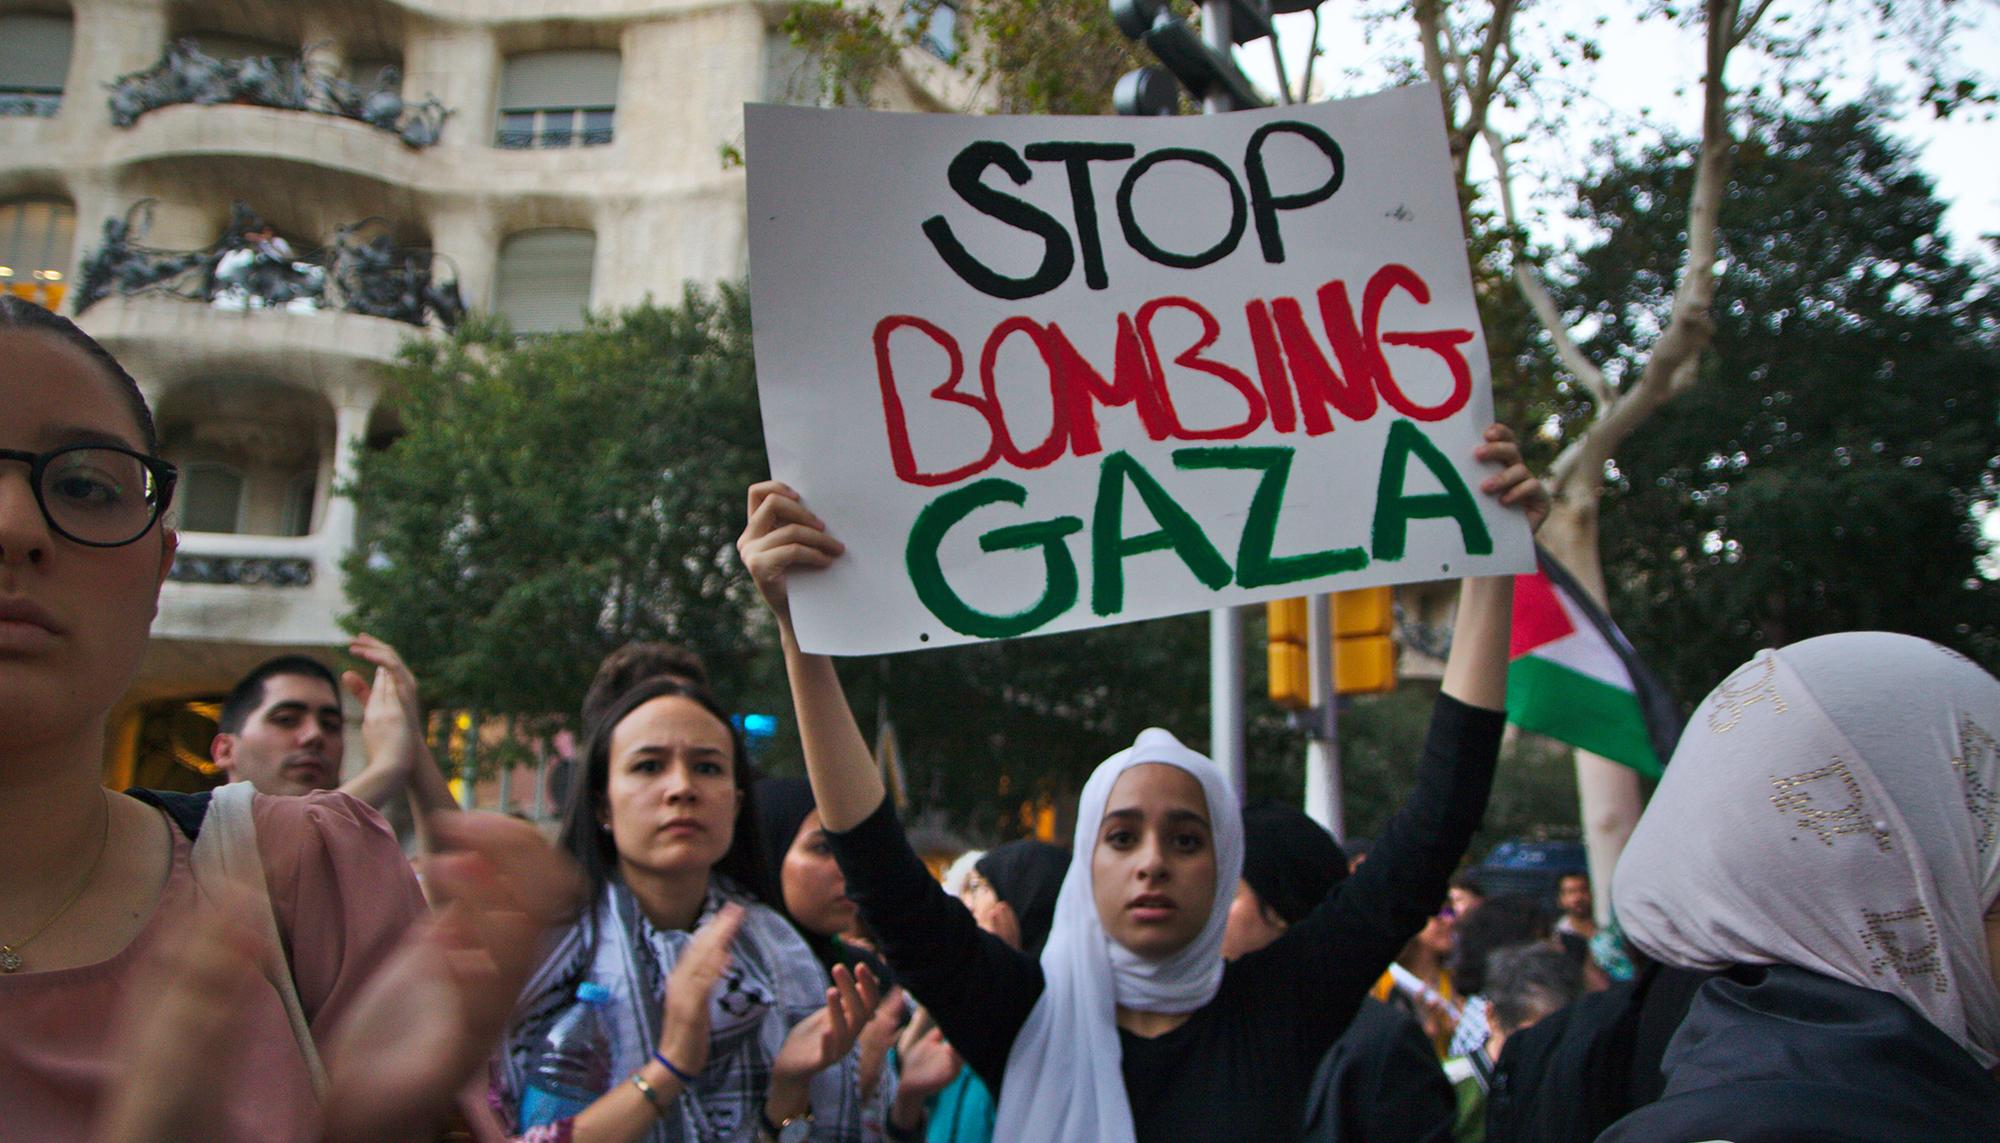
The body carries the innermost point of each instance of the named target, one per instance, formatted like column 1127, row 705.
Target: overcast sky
column 1650, row 75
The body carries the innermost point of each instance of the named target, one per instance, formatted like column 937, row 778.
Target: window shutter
column 560, row 79
column 543, row 284
column 34, row 51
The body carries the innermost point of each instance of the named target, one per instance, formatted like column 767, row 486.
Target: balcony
column 30, row 102
column 251, row 270
column 254, row 589
column 185, row 74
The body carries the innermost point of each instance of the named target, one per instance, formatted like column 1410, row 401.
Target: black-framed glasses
column 101, row 496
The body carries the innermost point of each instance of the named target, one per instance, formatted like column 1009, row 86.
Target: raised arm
column 979, row 989
column 1328, row 960
column 1475, row 672
column 783, row 535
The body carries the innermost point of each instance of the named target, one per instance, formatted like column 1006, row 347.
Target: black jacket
column 1577, row 1071
column 1782, row 1055
column 1380, row 1083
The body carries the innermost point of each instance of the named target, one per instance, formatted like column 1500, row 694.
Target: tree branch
column 1430, row 34
column 1737, row 36
column 1312, row 58
column 1530, row 283
column 1672, row 364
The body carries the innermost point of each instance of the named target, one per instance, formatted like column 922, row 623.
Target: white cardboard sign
column 1046, row 373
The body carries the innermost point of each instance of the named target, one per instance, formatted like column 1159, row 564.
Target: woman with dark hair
column 94, row 885
column 662, row 819
column 802, row 880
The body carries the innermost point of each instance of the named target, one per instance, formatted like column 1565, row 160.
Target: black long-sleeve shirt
column 1240, row 1066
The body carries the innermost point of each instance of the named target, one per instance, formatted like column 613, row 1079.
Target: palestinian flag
column 1574, row 677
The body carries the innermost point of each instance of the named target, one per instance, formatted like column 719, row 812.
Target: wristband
column 652, row 1094
column 669, row 1065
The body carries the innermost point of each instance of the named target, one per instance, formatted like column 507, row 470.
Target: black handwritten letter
column 1267, row 205
column 964, row 176
column 1077, row 157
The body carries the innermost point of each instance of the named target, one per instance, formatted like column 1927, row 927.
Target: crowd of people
column 1806, row 942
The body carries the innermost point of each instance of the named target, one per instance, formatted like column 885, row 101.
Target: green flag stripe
column 1549, row 699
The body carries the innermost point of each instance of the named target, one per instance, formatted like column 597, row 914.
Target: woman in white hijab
column 1131, row 1026
column 1827, row 838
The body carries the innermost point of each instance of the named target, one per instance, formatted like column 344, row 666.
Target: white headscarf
column 960, row 871
column 1064, row 1080
column 1834, row 806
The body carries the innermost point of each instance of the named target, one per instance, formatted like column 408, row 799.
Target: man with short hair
column 1524, row 983
column 282, row 730
column 1578, row 908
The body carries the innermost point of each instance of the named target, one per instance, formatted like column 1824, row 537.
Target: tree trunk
column 1607, row 792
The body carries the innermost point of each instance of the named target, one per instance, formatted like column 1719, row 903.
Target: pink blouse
column 343, row 895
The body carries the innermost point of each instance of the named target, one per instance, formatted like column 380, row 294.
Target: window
column 35, row 238
column 543, row 283
column 299, row 494
column 939, row 26
column 210, row 497
column 558, row 99
column 34, row 60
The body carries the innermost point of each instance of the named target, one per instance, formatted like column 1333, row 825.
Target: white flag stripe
column 1585, row 651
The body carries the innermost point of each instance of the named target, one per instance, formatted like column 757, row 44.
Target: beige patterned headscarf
column 1836, row 806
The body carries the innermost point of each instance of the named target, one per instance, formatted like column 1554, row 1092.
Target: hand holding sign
column 779, row 536
column 1514, row 485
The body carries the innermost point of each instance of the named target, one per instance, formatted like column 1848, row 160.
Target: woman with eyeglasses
column 1130, row 1026
column 98, row 890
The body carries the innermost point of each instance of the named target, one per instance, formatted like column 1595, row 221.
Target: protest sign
column 1046, row 373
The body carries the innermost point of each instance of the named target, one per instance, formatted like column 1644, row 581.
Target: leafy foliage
column 553, row 498
column 1828, row 470
column 1057, row 57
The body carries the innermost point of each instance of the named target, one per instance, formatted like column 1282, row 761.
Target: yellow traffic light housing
column 1291, row 674
column 1364, row 647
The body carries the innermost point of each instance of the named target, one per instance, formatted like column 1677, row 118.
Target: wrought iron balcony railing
column 30, row 102
column 186, row 74
column 546, row 128
column 362, row 271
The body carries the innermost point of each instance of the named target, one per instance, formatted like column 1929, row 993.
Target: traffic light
column 1202, row 69
column 1291, row 675
column 1364, row 649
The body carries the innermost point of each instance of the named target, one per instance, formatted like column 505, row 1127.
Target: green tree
column 1053, row 57
column 552, row 498
column 1827, row 470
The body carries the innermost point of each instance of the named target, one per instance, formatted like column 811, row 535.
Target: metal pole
column 1225, row 625
column 468, row 767
column 1215, row 33
column 1225, row 695
column 1323, row 801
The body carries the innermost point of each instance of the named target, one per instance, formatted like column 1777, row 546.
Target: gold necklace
column 10, row 956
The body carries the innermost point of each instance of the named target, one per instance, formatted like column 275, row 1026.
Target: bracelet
column 652, row 1095
column 668, row 1064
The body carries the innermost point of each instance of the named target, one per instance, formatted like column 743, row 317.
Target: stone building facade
column 581, row 163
